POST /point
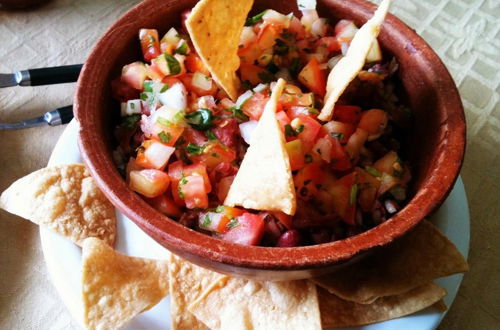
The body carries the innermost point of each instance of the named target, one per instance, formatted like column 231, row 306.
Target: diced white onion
column 319, row 27
column 344, row 47
column 374, row 54
column 306, row 4
column 246, row 130
column 247, row 35
column 158, row 154
column 308, row 18
column 260, row 87
column 175, row 97
column 334, row 60
column 272, row 16
column 210, row 220
column 171, row 37
column 243, row 98
column 347, row 31
column 202, row 81
column 131, row 107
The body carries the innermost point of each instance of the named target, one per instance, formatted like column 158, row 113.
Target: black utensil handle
column 66, row 114
column 55, row 75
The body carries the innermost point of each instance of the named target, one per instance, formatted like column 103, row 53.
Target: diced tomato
column 323, row 147
column 251, row 73
column 344, row 193
column 164, row 204
column 171, row 133
column 175, row 174
column 250, row 53
column 313, row 77
column 389, row 164
column 331, row 43
column 221, row 171
column 254, row 106
column 355, row 143
column 199, row 170
column 195, row 64
column 284, row 218
column 122, row 91
column 247, row 229
column 134, row 75
column 295, row 154
column 309, row 132
column 345, row 30
column 194, row 136
column 297, row 28
column 215, row 154
column 149, row 182
column 349, row 114
column 227, row 132
column 387, row 181
column 170, row 81
column 368, row 186
column 187, row 80
column 154, row 154
column 153, row 72
column 282, row 119
column 223, row 186
column 268, row 35
column 192, row 190
column 374, row 121
column 150, row 43
column 307, row 179
column 340, row 160
column 340, row 130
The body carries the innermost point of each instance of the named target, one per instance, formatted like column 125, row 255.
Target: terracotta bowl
column 436, row 143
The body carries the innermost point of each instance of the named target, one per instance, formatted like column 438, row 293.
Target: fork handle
column 49, row 76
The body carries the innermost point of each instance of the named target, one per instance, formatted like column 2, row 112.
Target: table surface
column 465, row 33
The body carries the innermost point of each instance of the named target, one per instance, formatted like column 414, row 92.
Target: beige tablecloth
column 465, row 33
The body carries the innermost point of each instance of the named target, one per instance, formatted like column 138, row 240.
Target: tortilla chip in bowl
column 436, row 140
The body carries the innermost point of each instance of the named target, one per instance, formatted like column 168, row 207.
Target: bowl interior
column 435, row 141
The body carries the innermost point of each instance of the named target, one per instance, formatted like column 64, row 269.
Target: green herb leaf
column 353, row 194
column 313, row 111
column 164, row 121
column 299, row 129
column 182, row 49
column 164, row 88
column 220, row 209
column 337, row 135
column 130, row 121
column 280, row 47
column 254, row 19
column 148, row 86
column 233, row 223
column 182, row 182
column 201, row 119
column 238, row 113
column 173, row 65
column 193, row 149
column 178, row 118
column 165, row 137
column 206, row 221
column 289, row 131
column 144, row 96
column 210, row 135
column 373, row 171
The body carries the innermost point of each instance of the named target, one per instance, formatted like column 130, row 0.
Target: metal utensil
column 42, row 76
column 55, row 117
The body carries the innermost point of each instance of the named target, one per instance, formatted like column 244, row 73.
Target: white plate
column 63, row 258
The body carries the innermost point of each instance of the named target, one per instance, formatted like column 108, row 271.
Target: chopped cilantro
column 130, row 121
column 313, row 111
column 164, row 121
column 144, row 96
column 210, row 135
column 353, row 194
column 201, row 119
column 299, row 129
column 164, row 88
column 165, row 137
column 373, row 171
column 148, row 86
column 339, row 136
column 254, row 19
column 290, row 132
column 220, row 209
column 182, row 182
column 193, row 149
column 233, row 223
column 182, row 49
column 206, row 221
column 280, row 47
column 173, row 65
column 238, row 114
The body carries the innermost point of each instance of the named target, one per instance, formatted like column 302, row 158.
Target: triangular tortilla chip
column 65, row 199
column 117, row 287
column 419, row 257
column 336, row 312
column 245, row 304
column 264, row 180
column 215, row 27
column 348, row 67
column 187, row 281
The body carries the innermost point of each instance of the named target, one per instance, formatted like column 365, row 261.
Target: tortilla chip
column 117, row 287
column 264, row 180
column 348, row 67
column 245, row 304
column 215, row 27
column 419, row 257
column 336, row 312
column 187, row 282
column 65, row 199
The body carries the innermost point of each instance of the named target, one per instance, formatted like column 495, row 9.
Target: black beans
column 290, row 238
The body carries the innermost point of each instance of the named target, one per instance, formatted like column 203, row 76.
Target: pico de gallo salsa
column 181, row 139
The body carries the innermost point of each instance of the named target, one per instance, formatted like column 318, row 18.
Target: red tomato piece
column 254, row 106
column 374, row 121
column 307, row 179
column 251, row 73
column 164, row 204
column 150, row 43
column 284, row 218
column 194, row 64
column 154, row 154
column 222, row 187
column 368, row 186
column 297, row 28
column 331, row 43
column 199, row 170
column 134, row 75
column 250, row 53
column 192, row 190
column 340, row 130
column 309, row 132
column 313, row 77
column 214, row 154
column 149, row 182
column 227, row 132
column 187, row 80
column 175, row 174
column 340, row 160
column 247, row 229
column 268, row 35
column 194, row 136
column 349, row 114
column 355, row 143
column 389, row 164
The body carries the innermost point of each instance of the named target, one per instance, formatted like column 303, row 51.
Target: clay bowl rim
column 177, row 237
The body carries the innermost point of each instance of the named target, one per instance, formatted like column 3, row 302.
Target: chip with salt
column 336, row 312
column 419, row 257
column 264, row 180
column 116, row 287
column 65, row 199
column 235, row 303
column 349, row 66
column 215, row 27
column 187, row 281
